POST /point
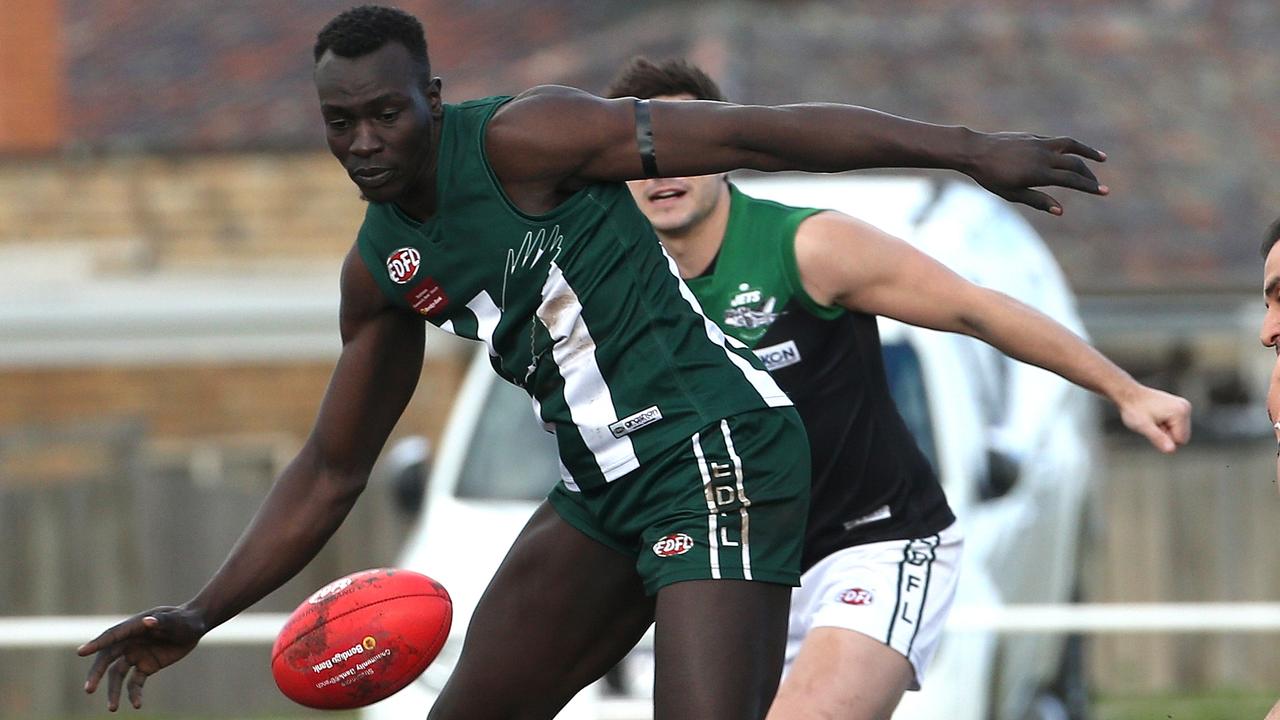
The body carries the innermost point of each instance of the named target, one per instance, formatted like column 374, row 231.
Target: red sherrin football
column 361, row 638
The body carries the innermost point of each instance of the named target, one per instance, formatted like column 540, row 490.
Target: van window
column 510, row 457
column 906, row 384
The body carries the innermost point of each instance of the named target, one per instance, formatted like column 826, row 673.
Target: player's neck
column 419, row 199
column 695, row 246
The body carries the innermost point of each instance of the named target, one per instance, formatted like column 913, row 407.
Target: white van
column 1012, row 445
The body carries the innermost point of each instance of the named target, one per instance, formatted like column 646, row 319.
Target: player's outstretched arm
column 375, row 377
column 846, row 262
column 574, row 137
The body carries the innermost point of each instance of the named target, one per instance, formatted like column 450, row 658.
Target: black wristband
column 644, row 139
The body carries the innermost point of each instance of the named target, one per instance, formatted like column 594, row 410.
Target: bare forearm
column 827, row 137
column 301, row 512
column 1025, row 334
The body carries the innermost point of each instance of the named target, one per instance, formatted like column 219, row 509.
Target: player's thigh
column 719, row 647
column 560, row 611
column 842, row 674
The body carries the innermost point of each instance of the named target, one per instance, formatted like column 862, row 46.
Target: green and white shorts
column 730, row 503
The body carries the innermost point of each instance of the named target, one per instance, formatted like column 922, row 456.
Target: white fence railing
column 1101, row 618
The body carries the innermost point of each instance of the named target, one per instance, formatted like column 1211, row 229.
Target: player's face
column 378, row 120
column 677, row 205
column 1270, row 333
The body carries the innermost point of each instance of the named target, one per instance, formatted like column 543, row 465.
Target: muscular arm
column 375, row 377
column 846, row 262
column 566, row 138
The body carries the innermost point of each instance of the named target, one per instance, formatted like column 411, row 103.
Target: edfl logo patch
column 673, row 544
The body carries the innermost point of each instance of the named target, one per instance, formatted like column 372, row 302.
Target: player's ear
column 431, row 90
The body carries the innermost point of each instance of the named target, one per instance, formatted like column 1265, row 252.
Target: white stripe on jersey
column 487, row 317
column 742, row 497
column 565, row 475
column 585, row 390
column 759, row 379
column 713, row 532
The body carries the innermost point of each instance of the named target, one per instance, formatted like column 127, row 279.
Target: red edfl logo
column 673, row 544
column 402, row 265
column 856, row 596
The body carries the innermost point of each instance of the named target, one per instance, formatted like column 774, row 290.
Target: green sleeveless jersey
column 870, row 480
column 579, row 306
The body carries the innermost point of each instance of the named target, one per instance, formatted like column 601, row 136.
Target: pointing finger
column 99, row 667
column 1075, row 147
column 114, row 634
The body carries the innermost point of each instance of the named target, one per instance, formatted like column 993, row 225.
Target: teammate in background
column 684, row 470
column 802, row 287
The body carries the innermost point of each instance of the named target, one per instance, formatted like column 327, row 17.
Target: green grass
column 1221, row 705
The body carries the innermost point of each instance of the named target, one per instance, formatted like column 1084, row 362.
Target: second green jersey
column 578, row 306
column 871, row 481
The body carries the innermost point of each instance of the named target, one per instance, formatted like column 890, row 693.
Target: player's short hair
column 643, row 78
column 1272, row 236
column 362, row 30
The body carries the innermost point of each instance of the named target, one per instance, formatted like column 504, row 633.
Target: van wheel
column 1071, row 685
column 1048, row 706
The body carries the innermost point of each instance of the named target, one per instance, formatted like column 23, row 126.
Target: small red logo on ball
column 856, row 596
column 403, row 264
column 673, row 544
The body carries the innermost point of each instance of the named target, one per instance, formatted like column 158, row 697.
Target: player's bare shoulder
column 830, row 250
column 361, row 298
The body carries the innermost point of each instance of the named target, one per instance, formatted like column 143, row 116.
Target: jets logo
column 403, row 264
column 749, row 309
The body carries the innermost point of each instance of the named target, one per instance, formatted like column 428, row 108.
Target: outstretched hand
column 1010, row 164
column 138, row 648
column 1160, row 417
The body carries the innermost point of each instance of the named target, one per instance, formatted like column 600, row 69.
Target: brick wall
column 185, row 210
column 31, row 77
column 179, row 407
column 1181, row 94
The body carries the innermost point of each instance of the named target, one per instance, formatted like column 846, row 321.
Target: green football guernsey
column 871, row 482
column 578, row 306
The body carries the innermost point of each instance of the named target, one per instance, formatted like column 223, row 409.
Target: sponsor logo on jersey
column 673, row 544
column 856, row 596
column 632, row 423
column 776, row 357
column 427, row 297
column 332, row 588
column 881, row 513
column 403, row 264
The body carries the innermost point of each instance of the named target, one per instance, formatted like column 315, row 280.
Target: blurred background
column 171, row 228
